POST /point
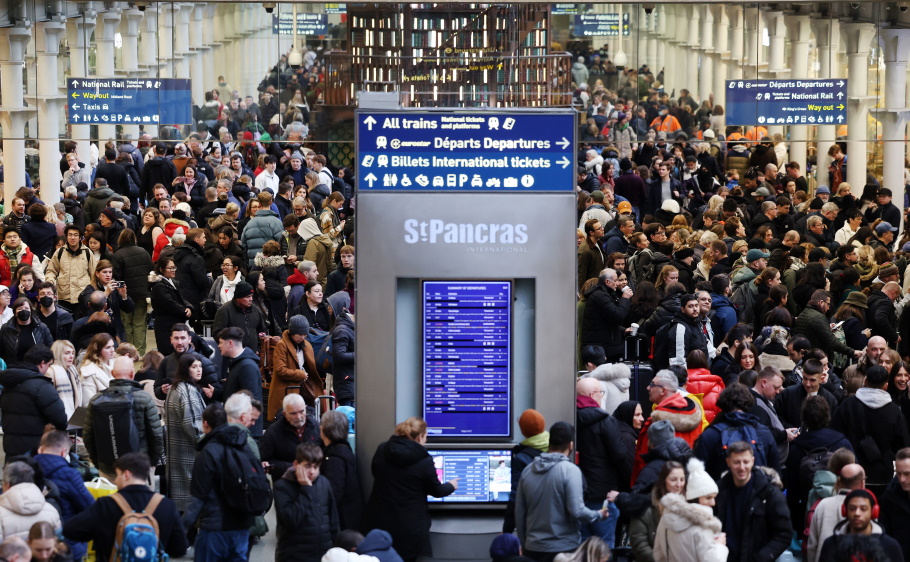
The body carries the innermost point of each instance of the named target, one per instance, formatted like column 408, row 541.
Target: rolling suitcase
column 636, row 352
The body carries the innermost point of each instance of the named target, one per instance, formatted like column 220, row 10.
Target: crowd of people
column 744, row 386
column 759, row 325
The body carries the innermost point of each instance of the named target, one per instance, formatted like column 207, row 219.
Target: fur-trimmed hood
column 684, row 413
column 262, row 261
column 679, row 514
column 611, row 372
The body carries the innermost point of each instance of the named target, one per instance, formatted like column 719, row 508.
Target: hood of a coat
column 873, row 397
column 679, row 514
column 188, row 248
column 402, row 452
column 546, row 461
column 228, row 434
column 18, row 373
column 247, row 354
column 377, row 539
column 262, row 261
column 101, row 193
column 588, row 412
column 23, row 499
column 682, row 412
column 610, row 372
column 308, row 229
column 675, row 449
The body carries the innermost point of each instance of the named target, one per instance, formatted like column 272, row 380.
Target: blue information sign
column 563, row 9
column 588, row 25
column 467, row 359
column 168, row 101
column 481, row 151
column 307, row 24
column 787, row 102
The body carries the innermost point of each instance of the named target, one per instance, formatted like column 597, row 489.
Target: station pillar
column 858, row 37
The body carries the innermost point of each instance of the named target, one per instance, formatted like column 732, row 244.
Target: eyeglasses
column 170, row 268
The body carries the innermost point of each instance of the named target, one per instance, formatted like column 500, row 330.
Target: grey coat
column 183, row 417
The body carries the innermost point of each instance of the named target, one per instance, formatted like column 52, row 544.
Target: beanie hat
column 684, row 253
column 698, row 483
column 598, row 196
column 531, row 423
column 350, row 413
column 110, row 214
column 888, row 269
column 298, row 325
column 504, row 547
column 243, row 290
column 660, row 433
column 297, row 156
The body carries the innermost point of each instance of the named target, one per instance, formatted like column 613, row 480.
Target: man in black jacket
column 99, row 522
column 223, row 533
column 605, row 308
column 600, row 456
column 875, row 427
column 114, row 173
column 292, row 428
column 58, row 321
column 29, row 402
column 157, row 170
column 885, row 210
column 895, row 502
column 240, row 313
column 243, row 369
column 181, row 341
column 789, row 403
column 752, row 510
column 881, row 317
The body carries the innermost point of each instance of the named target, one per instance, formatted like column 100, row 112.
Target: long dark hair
column 814, row 275
column 182, row 374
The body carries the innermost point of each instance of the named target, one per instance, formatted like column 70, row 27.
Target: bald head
column 587, row 387
column 852, row 476
column 892, row 289
column 97, row 301
column 123, row 368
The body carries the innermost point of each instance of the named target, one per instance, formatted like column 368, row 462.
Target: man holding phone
column 606, row 306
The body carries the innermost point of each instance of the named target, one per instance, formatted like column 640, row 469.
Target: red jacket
column 685, row 415
column 6, row 275
column 701, row 381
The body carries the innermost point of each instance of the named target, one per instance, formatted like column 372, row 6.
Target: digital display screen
column 467, row 351
column 484, row 476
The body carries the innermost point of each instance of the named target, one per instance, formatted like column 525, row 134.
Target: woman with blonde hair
column 65, row 376
column 715, row 203
column 404, row 474
column 96, row 366
column 667, row 275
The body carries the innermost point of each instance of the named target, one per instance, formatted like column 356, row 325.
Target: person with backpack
column 809, row 453
column 734, row 424
column 861, row 509
column 229, row 489
column 122, row 418
column 536, row 439
column 103, row 521
column 683, row 334
column 813, row 323
column 825, row 514
column 71, row 268
column 305, row 509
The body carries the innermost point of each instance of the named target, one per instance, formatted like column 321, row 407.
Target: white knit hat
column 699, row 483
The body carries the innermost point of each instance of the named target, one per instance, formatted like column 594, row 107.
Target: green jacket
column 815, row 326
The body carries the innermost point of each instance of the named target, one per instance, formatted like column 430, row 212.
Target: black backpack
column 244, row 484
column 815, row 460
column 115, row 430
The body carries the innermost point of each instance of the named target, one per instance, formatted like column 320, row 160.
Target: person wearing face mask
column 22, row 332
column 58, row 321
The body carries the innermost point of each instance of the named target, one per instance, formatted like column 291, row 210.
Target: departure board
column 483, row 476
column 467, row 351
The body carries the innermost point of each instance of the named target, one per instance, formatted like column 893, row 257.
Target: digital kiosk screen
column 483, row 476
column 467, row 350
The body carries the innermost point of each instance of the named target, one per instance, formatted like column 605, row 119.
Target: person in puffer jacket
column 264, row 226
column 703, row 383
column 615, row 379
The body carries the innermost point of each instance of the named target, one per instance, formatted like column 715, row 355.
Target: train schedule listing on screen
column 467, row 349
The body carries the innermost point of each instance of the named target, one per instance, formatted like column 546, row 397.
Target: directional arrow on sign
column 841, row 107
column 371, row 178
column 841, row 83
column 75, row 83
column 369, row 122
column 564, row 143
column 840, row 118
column 565, row 162
column 75, row 95
column 840, row 95
column 76, row 118
column 76, row 106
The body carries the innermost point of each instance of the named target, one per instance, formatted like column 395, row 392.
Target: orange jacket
column 685, row 415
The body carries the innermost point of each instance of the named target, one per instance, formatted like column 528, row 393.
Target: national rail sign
column 466, row 151
column 610, row 25
column 307, row 24
column 787, row 102
column 150, row 101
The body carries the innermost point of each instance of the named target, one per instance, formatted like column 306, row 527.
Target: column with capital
column 198, row 48
column 13, row 112
column 737, row 51
column 666, row 31
column 148, row 52
column 827, row 39
column 50, row 101
column 208, row 77
column 78, row 34
column 721, row 54
column 706, row 70
column 166, row 46
column 799, row 31
column 693, row 45
column 896, row 113
column 858, row 38
column 104, row 65
column 130, row 20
